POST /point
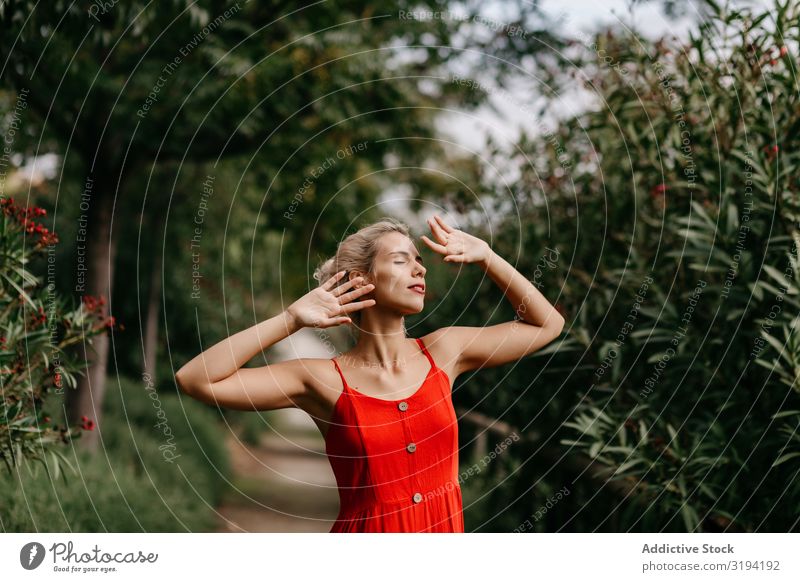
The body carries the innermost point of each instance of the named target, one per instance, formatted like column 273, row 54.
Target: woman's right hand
column 328, row 304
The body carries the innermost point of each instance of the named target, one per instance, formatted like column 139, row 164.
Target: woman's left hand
column 456, row 245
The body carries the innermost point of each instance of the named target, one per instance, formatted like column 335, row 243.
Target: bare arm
column 499, row 344
column 495, row 345
column 216, row 376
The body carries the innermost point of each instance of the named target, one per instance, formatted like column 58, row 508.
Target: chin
column 407, row 309
column 418, row 308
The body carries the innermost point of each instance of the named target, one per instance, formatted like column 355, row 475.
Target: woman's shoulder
column 444, row 347
column 318, row 375
column 439, row 339
column 312, row 371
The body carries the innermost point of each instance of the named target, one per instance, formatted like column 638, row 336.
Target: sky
column 575, row 18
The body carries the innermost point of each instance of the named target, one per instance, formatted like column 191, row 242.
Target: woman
column 385, row 406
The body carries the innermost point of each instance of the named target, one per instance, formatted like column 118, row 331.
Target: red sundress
column 396, row 461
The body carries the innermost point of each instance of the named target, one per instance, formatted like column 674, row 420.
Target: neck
column 385, row 350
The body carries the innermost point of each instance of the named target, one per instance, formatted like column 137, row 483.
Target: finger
column 330, row 282
column 336, row 321
column 438, row 231
column 356, row 293
column 346, row 285
column 350, row 307
column 443, row 224
column 436, row 247
column 454, row 259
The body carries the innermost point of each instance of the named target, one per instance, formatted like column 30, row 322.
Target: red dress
column 396, row 461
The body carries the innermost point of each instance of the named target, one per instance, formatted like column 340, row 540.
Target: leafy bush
column 131, row 486
column 110, row 494
column 674, row 207
column 181, row 426
column 698, row 149
column 37, row 326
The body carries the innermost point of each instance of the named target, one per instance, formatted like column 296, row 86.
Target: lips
column 418, row 288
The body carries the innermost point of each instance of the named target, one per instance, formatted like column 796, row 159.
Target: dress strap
column 335, row 363
column 425, row 351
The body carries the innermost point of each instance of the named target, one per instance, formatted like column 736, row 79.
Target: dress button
column 403, row 406
column 411, row 447
column 417, row 497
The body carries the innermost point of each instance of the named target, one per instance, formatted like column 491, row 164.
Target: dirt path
column 285, row 484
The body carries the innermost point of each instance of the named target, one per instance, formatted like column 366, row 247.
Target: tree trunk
column 153, row 304
column 87, row 398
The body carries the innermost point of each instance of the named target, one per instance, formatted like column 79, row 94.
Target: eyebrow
column 406, row 253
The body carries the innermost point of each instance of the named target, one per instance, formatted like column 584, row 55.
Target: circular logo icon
column 31, row 555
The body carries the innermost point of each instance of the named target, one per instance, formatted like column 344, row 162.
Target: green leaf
column 785, row 413
column 628, row 464
column 672, row 433
column 690, row 518
column 780, row 278
column 785, row 458
column 733, row 218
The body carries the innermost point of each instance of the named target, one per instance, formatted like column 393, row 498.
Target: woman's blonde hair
column 357, row 253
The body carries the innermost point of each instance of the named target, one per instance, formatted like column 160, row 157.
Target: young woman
column 384, row 408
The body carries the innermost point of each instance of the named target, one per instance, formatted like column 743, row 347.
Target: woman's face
column 398, row 275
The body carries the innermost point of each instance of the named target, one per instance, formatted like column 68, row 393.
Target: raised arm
column 494, row 345
column 216, row 376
